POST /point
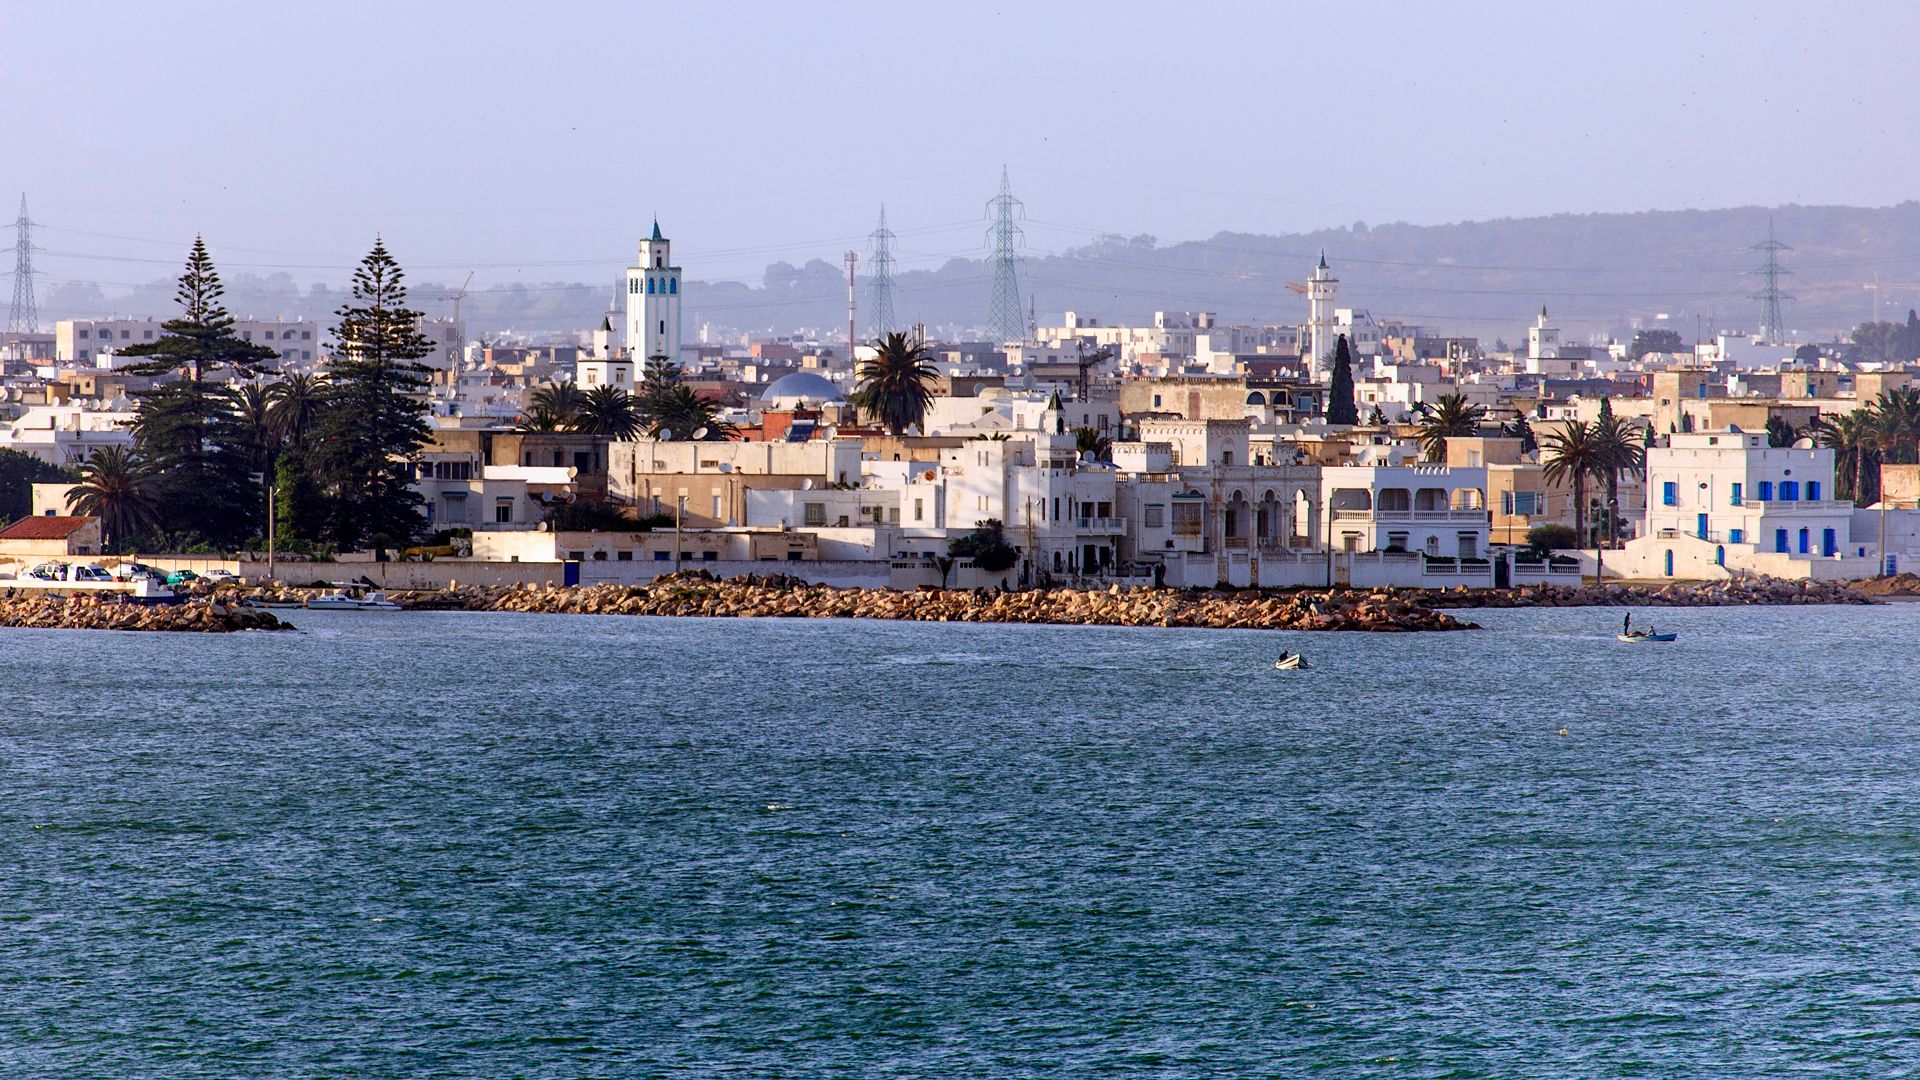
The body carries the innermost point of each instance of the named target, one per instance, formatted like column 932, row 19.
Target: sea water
column 439, row 845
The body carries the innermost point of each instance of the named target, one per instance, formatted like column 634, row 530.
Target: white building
column 653, row 301
column 1434, row 510
column 1323, row 289
column 1721, row 503
column 66, row 434
column 86, row 342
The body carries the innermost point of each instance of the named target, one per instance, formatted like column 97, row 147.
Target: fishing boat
column 1646, row 635
column 1290, row 662
column 346, row 601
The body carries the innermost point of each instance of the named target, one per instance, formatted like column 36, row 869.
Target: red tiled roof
column 45, row 528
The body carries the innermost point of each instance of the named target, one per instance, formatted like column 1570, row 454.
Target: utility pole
column 679, row 511
column 273, row 506
column 853, row 260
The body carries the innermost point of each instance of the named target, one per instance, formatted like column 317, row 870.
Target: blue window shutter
column 1669, row 493
column 1766, row 491
column 1736, row 495
column 1813, row 490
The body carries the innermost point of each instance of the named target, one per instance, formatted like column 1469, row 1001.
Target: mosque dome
column 801, row 386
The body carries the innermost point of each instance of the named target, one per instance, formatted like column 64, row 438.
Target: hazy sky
column 533, row 142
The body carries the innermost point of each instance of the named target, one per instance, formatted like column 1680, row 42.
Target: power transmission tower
column 24, row 318
column 1770, row 295
column 1004, row 317
column 880, row 279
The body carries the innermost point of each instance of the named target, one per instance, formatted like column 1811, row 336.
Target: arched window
column 673, row 286
column 649, row 286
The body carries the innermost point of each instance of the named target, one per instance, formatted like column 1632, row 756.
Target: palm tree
column 681, row 415
column 539, row 419
column 562, row 399
column 1899, row 413
column 1571, row 455
column 893, row 386
column 1887, row 430
column 113, row 488
column 1622, row 450
column 298, row 401
column 609, row 412
column 252, row 407
column 1448, row 417
column 1849, row 436
column 1093, row 441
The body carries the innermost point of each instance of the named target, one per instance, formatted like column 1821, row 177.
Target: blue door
column 1780, row 541
column 1720, row 556
column 1805, row 545
column 1669, row 564
column 1700, row 527
column 1829, row 543
column 570, row 573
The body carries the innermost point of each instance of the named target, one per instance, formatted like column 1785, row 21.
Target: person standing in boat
column 1627, row 626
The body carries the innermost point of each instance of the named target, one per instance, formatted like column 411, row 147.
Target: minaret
column 653, row 302
column 1322, row 291
column 1543, row 341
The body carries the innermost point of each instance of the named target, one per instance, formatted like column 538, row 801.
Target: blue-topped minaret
column 653, row 302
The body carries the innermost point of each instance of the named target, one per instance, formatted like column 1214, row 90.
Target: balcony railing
column 1410, row 515
column 1788, row 506
column 1102, row 526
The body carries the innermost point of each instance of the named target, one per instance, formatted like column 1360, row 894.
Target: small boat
column 1291, row 662
column 1645, row 635
column 345, row 601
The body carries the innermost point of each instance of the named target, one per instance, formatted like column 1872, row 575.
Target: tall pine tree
column 203, row 487
column 375, row 424
column 1340, row 407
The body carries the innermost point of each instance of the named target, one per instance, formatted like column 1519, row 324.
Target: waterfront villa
column 1723, row 503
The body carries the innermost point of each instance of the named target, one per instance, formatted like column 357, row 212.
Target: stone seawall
column 1745, row 592
column 92, row 613
column 692, row 593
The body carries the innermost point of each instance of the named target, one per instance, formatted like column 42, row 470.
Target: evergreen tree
column 1340, row 407
column 202, row 474
column 299, row 508
column 1606, row 410
column 1376, row 418
column 376, row 417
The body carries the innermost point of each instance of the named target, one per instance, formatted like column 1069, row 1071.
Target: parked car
column 220, row 575
column 127, row 571
column 91, row 572
column 182, row 577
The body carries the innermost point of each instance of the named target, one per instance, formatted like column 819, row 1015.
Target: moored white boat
column 346, row 601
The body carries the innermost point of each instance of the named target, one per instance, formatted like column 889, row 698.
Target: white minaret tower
column 653, row 303
column 1543, row 341
column 1323, row 289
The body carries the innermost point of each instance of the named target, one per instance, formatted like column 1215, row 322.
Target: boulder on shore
column 43, row 612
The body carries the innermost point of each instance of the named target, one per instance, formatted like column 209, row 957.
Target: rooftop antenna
column 1770, row 295
column 24, row 318
column 1003, row 310
column 880, row 279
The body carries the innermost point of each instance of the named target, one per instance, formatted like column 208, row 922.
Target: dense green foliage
column 1340, row 407
column 18, row 473
column 1449, row 417
column 987, row 546
column 375, row 422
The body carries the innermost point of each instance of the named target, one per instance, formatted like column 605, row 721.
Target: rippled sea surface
column 427, row 845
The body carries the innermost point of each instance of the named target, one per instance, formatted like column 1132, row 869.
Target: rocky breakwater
column 1743, row 592
column 94, row 613
column 697, row 595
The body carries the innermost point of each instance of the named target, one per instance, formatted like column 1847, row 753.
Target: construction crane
column 1296, row 287
column 460, row 328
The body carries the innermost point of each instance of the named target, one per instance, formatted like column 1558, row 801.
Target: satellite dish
column 807, row 484
column 699, row 434
column 666, row 435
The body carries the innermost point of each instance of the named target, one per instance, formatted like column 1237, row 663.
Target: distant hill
column 1595, row 273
